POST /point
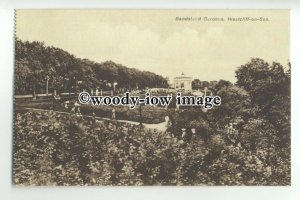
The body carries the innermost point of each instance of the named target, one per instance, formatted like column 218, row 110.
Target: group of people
column 75, row 111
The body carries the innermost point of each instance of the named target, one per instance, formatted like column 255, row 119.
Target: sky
column 153, row 40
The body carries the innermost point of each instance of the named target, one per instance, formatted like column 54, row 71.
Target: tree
column 269, row 89
column 235, row 103
column 221, row 84
column 22, row 77
column 35, row 61
column 263, row 81
column 196, row 84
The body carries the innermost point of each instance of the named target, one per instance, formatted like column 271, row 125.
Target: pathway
column 160, row 127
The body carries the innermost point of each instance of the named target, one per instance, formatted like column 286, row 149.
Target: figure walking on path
column 113, row 114
column 93, row 118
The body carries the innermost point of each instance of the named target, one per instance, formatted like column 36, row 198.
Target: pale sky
column 153, row 40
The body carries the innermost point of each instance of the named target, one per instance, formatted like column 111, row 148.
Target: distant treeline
column 36, row 63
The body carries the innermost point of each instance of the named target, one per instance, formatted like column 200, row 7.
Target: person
column 167, row 121
column 72, row 115
column 66, row 105
column 93, row 118
column 76, row 105
column 184, row 135
column 72, row 111
column 194, row 136
column 113, row 114
column 177, row 108
column 79, row 115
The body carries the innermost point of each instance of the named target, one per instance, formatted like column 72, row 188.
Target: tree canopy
column 35, row 62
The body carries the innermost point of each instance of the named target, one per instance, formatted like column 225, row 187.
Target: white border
column 7, row 191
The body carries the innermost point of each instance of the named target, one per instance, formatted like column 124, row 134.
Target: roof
column 183, row 76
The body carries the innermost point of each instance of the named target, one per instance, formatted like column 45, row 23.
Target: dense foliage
column 35, row 63
column 56, row 149
column 244, row 141
column 252, row 125
column 66, row 150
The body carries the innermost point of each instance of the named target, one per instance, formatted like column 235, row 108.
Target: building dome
column 183, row 82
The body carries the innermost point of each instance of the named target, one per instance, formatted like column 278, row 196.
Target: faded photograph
column 242, row 56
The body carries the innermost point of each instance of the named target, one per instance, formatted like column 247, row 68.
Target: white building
column 183, row 82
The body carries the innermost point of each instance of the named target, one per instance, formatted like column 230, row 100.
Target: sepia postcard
column 112, row 97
